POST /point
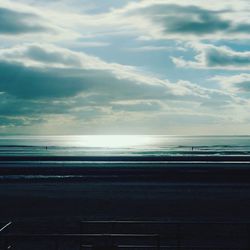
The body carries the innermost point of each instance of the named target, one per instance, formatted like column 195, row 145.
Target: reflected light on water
column 114, row 141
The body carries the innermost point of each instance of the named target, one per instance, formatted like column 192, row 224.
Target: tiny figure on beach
column 46, row 147
column 192, row 148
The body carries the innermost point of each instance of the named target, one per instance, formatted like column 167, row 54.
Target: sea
column 123, row 145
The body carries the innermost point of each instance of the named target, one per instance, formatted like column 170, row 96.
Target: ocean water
column 125, row 145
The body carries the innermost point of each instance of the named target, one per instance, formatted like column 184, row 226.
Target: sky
column 124, row 67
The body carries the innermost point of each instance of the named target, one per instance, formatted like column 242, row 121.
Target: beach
column 195, row 202
column 125, row 200
column 163, row 190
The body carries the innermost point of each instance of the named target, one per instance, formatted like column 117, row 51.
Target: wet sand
column 140, row 193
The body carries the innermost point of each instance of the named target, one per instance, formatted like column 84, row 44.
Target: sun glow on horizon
column 114, row 141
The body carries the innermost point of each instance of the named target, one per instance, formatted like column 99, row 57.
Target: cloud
column 234, row 83
column 182, row 20
column 210, row 56
column 185, row 20
column 16, row 122
column 41, row 80
column 151, row 48
column 137, row 106
column 24, row 22
column 14, row 22
column 45, row 71
column 48, row 81
column 90, row 44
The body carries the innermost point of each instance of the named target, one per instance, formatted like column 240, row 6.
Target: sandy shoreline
column 162, row 191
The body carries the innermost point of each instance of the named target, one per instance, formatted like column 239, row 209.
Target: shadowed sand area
column 162, row 190
column 63, row 193
column 122, row 200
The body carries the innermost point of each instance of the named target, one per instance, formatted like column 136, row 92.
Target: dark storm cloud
column 13, row 22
